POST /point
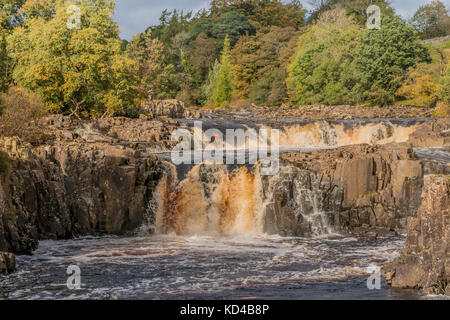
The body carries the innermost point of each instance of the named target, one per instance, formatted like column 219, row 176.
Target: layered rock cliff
column 366, row 190
column 425, row 260
column 61, row 190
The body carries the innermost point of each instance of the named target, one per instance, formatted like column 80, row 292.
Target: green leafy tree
column 383, row 58
column 356, row 8
column 210, row 84
column 432, row 20
column 229, row 24
column 320, row 70
column 223, row 91
column 75, row 71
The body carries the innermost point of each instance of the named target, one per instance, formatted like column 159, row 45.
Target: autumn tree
column 260, row 64
column 77, row 71
column 203, row 54
column 266, row 12
column 432, row 20
column 154, row 71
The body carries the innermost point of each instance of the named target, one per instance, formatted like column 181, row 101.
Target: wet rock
column 7, row 262
column 343, row 112
column 424, row 262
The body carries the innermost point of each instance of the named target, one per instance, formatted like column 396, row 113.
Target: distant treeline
column 238, row 52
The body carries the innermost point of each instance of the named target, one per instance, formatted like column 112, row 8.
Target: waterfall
column 210, row 200
column 225, row 200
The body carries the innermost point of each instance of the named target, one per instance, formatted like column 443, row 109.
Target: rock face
column 7, row 262
column 425, row 260
column 62, row 190
column 363, row 189
column 435, row 133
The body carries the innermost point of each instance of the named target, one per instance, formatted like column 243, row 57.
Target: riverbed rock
column 425, row 261
column 7, row 262
column 434, row 133
column 170, row 108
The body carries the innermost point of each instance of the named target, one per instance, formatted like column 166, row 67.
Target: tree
column 75, row 71
column 153, row 69
column 432, row 20
column 203, row 54
column 231, row 24
column 356, row 8
column 320, row 70
column 382, row 59
column 210, row 84
column 223, row 91
column 260, row 64
column 266, row 12
column 420, row 88
column 444, row 84
column 9, row 19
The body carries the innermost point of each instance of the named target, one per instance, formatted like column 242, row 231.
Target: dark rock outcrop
column 362, row 189
column 7, row 262
column 425, row 261
column 62, row 190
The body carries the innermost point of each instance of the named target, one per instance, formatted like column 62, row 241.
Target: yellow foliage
column 420, row 87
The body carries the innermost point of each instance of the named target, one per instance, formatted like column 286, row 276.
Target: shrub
column 20, row 110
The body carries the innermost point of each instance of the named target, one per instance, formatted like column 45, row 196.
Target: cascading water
column 295, row 134
column 210, row 201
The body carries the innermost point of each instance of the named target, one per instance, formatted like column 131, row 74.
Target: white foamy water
column 203, row 267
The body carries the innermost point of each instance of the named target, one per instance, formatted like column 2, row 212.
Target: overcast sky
column 136, row 15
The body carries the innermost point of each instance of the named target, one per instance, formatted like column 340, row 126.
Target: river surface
column 205, row 267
